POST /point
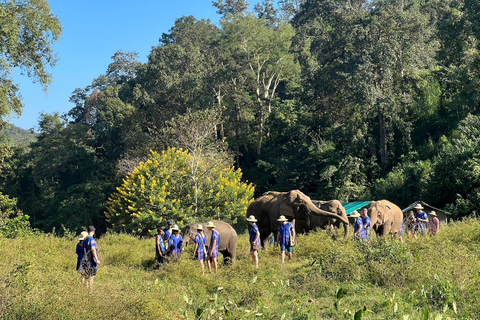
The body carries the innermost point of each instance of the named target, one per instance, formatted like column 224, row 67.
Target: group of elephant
column 306, row 214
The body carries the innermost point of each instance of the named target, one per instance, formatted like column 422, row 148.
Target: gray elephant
column 386, row 218
column 228, row 238
column 333, row 206
column 294, row 205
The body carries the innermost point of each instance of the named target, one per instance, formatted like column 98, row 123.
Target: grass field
column 424, row 278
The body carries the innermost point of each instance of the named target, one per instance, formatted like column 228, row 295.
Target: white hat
column 432, row 213
column 282, row 218
column 210, row 224
column 251, row 219
column 354, row 214
column 199, row 227
column 418, row 206
column 83, row 235
column 175, row 227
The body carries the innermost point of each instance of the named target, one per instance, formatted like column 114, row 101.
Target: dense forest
column 341, row 99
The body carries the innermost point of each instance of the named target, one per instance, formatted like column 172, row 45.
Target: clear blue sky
column 93, row 30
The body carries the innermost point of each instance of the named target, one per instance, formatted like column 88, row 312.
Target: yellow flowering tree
column 162, row 189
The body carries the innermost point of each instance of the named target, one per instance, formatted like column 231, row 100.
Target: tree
column 28, row 30
column 231, row 7
column 162, row 188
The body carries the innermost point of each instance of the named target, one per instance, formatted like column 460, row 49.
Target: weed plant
column 421, row 278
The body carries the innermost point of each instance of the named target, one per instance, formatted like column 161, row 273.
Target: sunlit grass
column 327, row 279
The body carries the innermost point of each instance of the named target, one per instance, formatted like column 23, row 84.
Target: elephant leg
column 387, row 228
column 264, row 240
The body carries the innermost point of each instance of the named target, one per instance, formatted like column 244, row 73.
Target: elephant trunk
column 346, row 227
column 322, row 213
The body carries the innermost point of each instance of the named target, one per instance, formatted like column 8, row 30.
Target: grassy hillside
column 425, row 278
column 19, row 137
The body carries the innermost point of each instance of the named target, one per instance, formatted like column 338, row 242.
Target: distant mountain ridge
column 17, row 136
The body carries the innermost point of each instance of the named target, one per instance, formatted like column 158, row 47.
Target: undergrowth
column 423, row 278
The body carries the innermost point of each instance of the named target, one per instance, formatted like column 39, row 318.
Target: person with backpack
column 79, row 251
column 159, row 247
column 199, row 251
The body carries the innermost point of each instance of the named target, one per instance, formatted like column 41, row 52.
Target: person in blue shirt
column 367, row 223
column 254, row 239
column 212, row 257
column 175, row 243
column 160, row 247
column 80, row 253
column 421, row 218
column 358, row 229
column 167, row 232
column 90, row 249
column 286, row 237
column 199, row 251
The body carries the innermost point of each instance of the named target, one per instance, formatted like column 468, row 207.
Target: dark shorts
column 287, row 248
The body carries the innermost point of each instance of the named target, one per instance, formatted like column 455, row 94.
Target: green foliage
column 29, row 30
column 163, row 188
column 12, row 221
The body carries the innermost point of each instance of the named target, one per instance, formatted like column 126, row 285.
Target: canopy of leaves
column 162, row 188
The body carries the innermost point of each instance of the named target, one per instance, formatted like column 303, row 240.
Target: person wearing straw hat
column 160, row 249
column 434, row 223
column 199, row 251
column 254, row 239
column 90, row 250
column 79, row 248
column 175, row 243
column 358, row 229
column 212, row 257
column 421, row 218
column 286, row 237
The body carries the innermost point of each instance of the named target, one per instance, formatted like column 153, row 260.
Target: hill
column 423, row 278
column 19, row 137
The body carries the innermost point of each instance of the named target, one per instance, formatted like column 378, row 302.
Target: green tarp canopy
column 351, row 206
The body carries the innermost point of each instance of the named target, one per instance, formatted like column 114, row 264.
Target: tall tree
column 28, row 30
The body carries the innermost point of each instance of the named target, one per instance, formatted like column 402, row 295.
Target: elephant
column 333, row 206
column 228, row 238
column 294, row 205
column 386, row 217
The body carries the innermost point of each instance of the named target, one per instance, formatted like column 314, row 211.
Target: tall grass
column 428, row 277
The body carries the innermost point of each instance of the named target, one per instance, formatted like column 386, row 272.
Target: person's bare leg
column 215, row 264
column 283, row 256
column 203, row 267
column 209, row 264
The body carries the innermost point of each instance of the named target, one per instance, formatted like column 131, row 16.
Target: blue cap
column 169, row 222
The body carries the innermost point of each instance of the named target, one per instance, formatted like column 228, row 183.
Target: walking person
column 212, row 257
column 90, row 249
column 421, row 218
column 411, row 225
column 254, row 239
column 167, row 232
column 199, row 251
column 434, row 224
column 286, row 237
column 80, row 253
column 160, row 249
column 175, row 243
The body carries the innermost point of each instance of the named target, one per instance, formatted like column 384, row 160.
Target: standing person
column 199, row 252
column 160, row 247
column 212, row 257
column 367, row 223
column 434, row 224
column 358, row 229
column 90, row 249
column 167, row 232
column 421, row 218
column 286, row 237
column 175, row 243
column 80, row 253
column 411, row 224
column 254, row 239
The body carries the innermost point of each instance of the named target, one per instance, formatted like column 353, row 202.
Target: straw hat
column 210, row 224
column 251, row 219
column 432, row 213
column 83, row 235
column 175, row 227
column 418, row 206
column 354, row 214
column 199, row 227
column 282, row 218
